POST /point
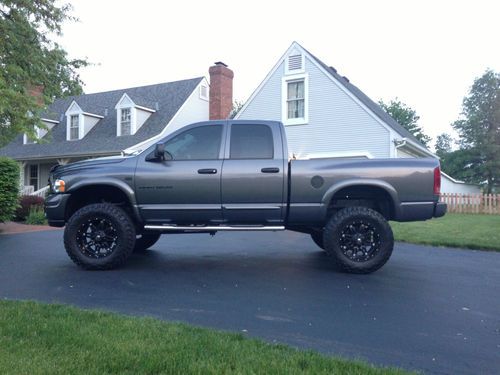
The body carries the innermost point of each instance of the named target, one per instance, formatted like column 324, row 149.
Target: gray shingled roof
column 165, row 98
column 372, row 106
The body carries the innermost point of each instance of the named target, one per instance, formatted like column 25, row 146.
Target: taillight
column 437, row 181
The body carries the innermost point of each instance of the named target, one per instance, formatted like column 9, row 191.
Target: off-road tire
column 122, row 227
column 145, row 240
column 378, row 237
column 317, row 238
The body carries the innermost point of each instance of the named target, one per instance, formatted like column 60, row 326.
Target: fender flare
column 126, row 189
column 388, row 188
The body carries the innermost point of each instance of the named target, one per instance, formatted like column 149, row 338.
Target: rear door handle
column 207, row 171
column 270, row 170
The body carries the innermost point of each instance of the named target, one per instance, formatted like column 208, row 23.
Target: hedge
column 9, row 188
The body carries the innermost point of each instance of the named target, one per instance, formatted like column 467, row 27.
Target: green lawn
column 455, row 230
column 53, row 339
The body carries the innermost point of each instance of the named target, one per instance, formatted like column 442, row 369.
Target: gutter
column 405, row 141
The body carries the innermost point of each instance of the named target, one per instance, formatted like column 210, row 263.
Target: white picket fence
column 472, row 203
column 30, row 190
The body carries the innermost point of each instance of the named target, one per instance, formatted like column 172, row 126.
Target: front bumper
column 55, row 209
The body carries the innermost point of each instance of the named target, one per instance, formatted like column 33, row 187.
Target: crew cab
column 237, row 175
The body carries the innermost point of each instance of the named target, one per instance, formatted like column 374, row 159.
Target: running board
column 215, row 228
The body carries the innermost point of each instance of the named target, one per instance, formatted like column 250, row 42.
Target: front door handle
column 207, row 171
column 270, row 170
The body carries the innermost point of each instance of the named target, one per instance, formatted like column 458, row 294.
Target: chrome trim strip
column 213, row 228
column 251, row 207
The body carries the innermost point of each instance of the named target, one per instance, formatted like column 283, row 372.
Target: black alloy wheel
column 358, row 239
column 97, row 237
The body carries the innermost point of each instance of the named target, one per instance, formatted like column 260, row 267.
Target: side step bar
column 215, row 228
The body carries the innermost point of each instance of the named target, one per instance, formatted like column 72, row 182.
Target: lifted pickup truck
column 236, row 175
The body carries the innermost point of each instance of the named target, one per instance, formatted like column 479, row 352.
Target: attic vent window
column 204, row 92
column 295, row 62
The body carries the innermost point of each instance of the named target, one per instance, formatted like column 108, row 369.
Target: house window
column 125, row 122
column 29, row 140
column 295, row 100
column 74, row 127
column 33, row 176
column 204, row 92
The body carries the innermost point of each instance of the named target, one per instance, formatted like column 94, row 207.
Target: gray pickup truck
column 236, row 175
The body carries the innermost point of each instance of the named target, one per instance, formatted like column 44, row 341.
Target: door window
column 251, row 142
column 202, row 143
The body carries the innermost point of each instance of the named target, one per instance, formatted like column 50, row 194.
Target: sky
column 425, row 53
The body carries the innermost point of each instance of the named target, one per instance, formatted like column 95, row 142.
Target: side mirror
column 160, row 151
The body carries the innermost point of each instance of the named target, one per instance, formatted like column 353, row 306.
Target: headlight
column 59, row 186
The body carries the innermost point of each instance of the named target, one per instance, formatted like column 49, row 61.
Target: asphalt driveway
column 433, row 310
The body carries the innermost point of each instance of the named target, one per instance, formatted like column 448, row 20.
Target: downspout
column 399, row 144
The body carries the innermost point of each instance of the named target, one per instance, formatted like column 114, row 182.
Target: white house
column 325, row 115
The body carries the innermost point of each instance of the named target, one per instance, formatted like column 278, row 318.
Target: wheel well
column 97, row 194
column 365, row 196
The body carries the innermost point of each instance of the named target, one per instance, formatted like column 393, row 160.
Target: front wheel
column 99, row 236
column 358, row 239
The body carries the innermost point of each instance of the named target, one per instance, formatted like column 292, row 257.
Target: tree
column 406, row 117
column 479, row 129
column 443, row 144
column 237, row 105
column 30, row 60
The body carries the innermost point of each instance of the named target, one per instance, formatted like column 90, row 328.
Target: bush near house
column 36, row 217
column 27, row 203
column 9, row 188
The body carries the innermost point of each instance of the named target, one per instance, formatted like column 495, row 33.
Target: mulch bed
column 11, row 227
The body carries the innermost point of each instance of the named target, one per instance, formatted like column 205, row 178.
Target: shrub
column 26, row 204
column 36, row 217
column 9, row 188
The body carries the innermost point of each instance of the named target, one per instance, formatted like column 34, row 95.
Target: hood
column 59, row 170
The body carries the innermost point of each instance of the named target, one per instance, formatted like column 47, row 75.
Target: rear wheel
column 358, row 239
column 99, row 236
column 145, row 240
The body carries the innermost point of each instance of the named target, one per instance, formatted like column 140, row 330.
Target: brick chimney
column 221, row 91
column 36, row 91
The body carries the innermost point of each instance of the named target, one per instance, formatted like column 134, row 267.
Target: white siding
column 193, row 110
column 337, row 123
column 402, row 154
column 448, row 186
column 88, row 123
column 141, row 117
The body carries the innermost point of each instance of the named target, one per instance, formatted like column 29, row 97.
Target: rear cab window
column 251, row 141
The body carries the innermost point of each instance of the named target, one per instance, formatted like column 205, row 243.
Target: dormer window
column 74, row 127
column 125, row 121
column 130, row 116
column 40, row 132
column 79, row 122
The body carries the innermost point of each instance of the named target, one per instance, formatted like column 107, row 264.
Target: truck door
column 186, row 189
column 252, row 174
